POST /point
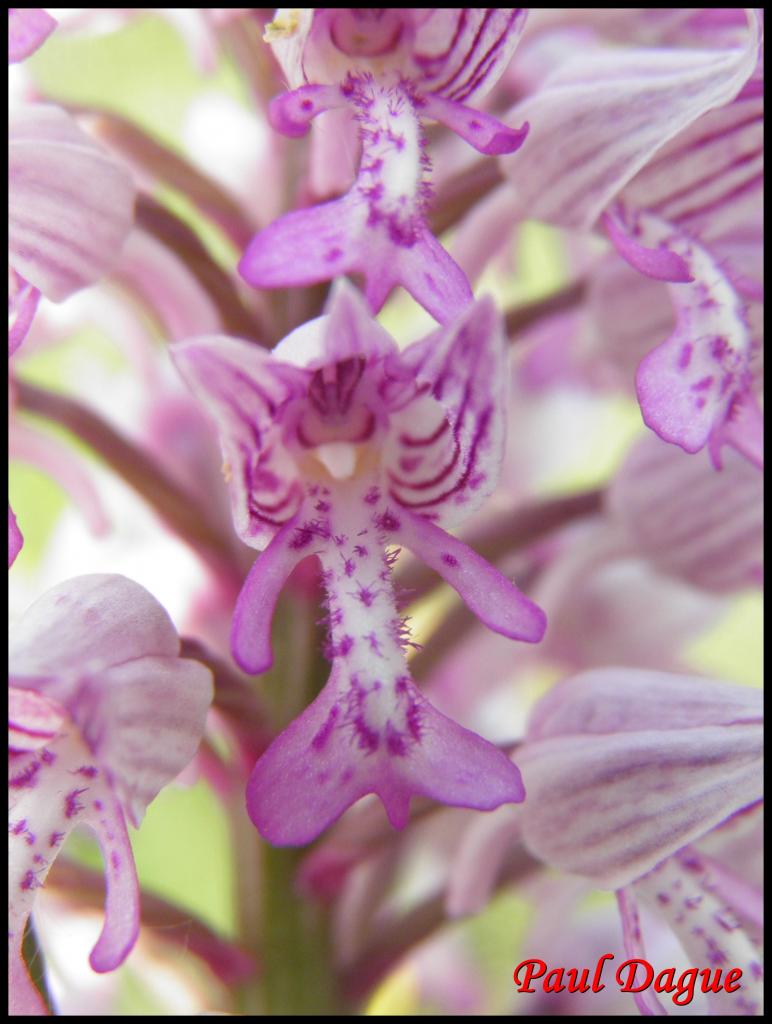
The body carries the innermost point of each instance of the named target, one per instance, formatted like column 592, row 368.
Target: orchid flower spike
column 393, row 68
column 103, row 713
column 341, row 446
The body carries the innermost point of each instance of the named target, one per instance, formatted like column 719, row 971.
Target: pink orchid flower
column 340, row 446
column 392, row 68
column 103, row 713
column 662, row 147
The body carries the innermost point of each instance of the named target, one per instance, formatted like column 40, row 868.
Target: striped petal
column 33, row 720
column 70, row 203
column 602, row 116
column 244, row 391
column 625, row 767
column 702, row 526
column 445, row 467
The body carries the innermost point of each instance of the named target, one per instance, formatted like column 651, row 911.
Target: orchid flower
column 338, row 445
column 103, row 714
column 626, row 770
column 393, row 68
column 663, row 149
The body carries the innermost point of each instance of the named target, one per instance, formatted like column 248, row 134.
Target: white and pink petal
column 70, row 203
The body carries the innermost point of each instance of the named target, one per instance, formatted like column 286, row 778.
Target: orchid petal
column 327, row 748
column 479, row 859
column 243, row 389
column 70, row 204
column 687, row 385
column 292, row 112
column 487, row 134
column 253, row 615
column 661, row 264
column 28, row 29
column 493, row 598
column 15, row 539
column 464, row 365
column 463, row 51
column 90, row 623
column 602, row 116
column 743, row 430
column 322, row 242
column 63, row 464
column 22, row 305
column 144, row 720
column 609, row 801
column 709, row 175
column 346, row 331
column 612, row 700
column 682, row 891
column 33, row 720
column 646, row 1001
column 702, row 526
column 52, row 791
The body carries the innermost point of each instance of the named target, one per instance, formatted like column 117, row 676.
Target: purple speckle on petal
column 55, row 838
column 323, row 735
column 387, row 521
column 26, row 778
column 372, row 496
column 88, row 770
column 71, row 804
column 703, row 384
column 395, row 742
column 685, row 356
column 333, row 254
column 47, row 757
column 368, row 738
column 29, row 881
column 98, row 805
column 449, row 559
column 719, row 347
column 115, row 860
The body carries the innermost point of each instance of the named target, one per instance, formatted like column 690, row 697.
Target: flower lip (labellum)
column 340, row 446
column 392, row 69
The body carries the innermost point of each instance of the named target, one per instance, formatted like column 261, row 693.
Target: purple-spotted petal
column 447, row 469
column 253, row 615
column 292, row 112
column 52, row 790
column 691, row 522
column 33, row 720
column 327, row 759
column 683, row 890
column 608, row 798
column 661, row 264
column 28, row 29
column 493, row 598
column 687, row 385
column 603, row 115
column 322, row 242
column 15, row 539
column 486, row 133
column 245, row 391
column 70, row 203
column 743, row 430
